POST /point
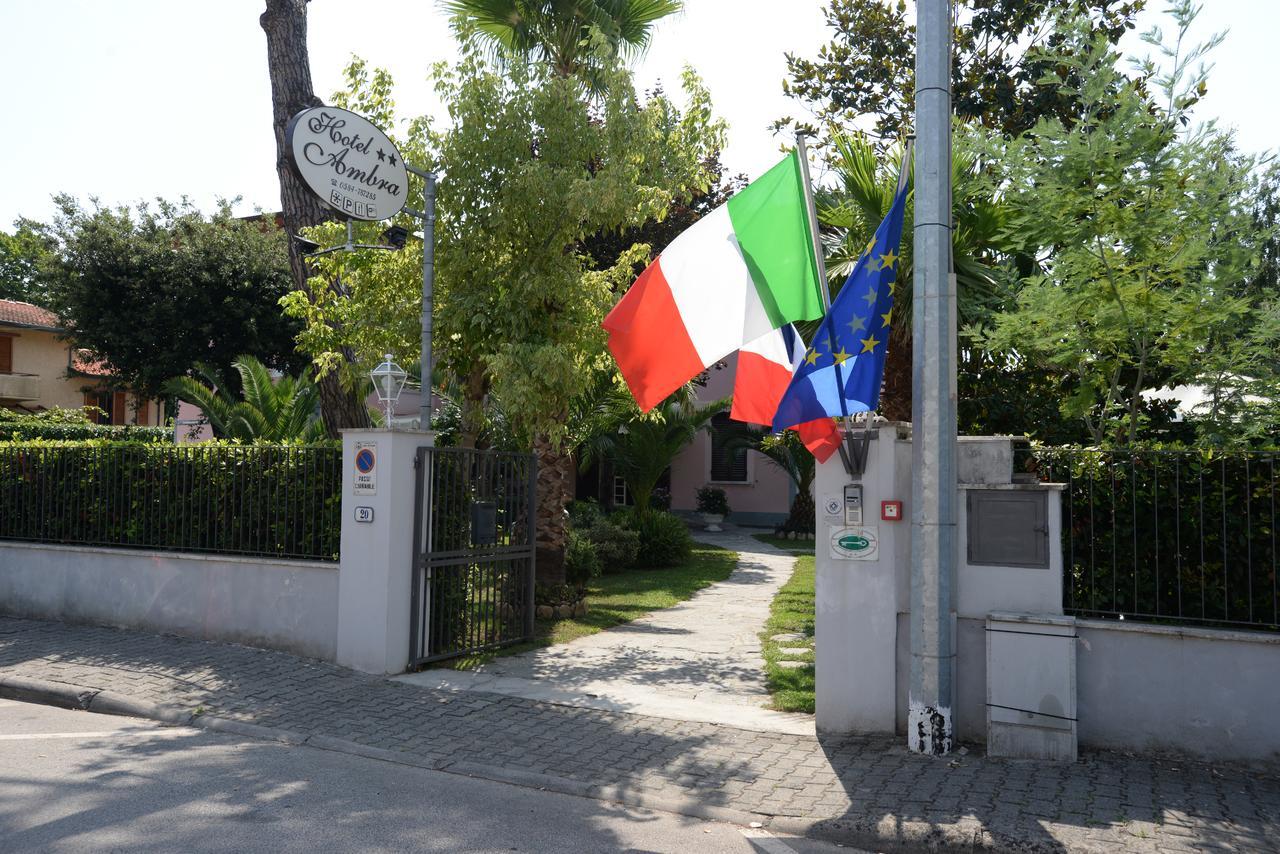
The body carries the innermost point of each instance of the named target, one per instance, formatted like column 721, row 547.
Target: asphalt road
column 75, row 781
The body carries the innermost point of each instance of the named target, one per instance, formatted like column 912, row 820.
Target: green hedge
column 72, row 425
column 277, row 501
column 1169, row 534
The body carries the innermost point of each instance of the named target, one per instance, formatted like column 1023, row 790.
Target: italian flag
column 765, row 367
column 740, row 272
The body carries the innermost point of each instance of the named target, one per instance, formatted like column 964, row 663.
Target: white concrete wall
column 278, row 604
column 1210, row 693
column 1213, row 693
column 858, row 600
column 1205, row 692
column 376, row 590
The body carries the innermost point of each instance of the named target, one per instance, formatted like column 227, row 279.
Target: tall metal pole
column 931, row 696
column 812, row 210
column 426, row 357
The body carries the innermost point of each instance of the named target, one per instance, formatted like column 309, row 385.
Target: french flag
column 765, row 366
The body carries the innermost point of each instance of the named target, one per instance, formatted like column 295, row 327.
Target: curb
column 46, row 693
column 906, row 838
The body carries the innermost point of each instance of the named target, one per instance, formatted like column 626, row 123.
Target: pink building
column 759, row 492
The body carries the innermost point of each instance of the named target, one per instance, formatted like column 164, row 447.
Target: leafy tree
column 20, row 256
column 561, row 33
column 529, row 169
column 645, row 445
column 285, row 24
column 282, row 410
column 1140, row 224
column 868, row 68
column 154, row 291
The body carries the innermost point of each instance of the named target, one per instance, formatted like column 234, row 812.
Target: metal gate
column 473, row 552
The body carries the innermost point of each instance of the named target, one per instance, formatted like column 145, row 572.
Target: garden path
column 699, row 660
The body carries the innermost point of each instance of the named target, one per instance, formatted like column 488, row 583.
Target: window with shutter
column 119, row 409
column 6, row 354
column 728, row 463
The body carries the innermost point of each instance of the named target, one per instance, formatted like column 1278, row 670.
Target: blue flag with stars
column 843, row 366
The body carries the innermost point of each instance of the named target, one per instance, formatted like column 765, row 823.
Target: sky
column 133, row 99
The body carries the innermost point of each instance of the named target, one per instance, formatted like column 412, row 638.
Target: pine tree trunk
column 555, row 491
column 895, row 394
column 285, row 23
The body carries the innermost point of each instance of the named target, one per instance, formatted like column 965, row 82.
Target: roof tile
column 26, row 314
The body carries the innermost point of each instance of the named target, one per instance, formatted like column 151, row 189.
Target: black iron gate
column 473, row 552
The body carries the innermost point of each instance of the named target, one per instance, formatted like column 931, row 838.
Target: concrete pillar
column 859, row 595
column 376, row 570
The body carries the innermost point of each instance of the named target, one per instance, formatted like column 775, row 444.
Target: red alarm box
column 891, row 511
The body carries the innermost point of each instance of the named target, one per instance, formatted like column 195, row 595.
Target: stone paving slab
column 699, row 660
column 864, row 791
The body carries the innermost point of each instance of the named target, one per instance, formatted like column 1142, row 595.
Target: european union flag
column 844, row 364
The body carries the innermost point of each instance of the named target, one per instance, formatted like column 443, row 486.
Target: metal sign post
column 428, row 217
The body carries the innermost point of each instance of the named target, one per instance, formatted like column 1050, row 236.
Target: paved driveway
column 698, row 661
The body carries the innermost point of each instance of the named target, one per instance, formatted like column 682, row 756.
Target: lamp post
column 388, row 381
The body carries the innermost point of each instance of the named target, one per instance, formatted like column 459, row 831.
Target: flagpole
column 821, row 261
column 812, row 209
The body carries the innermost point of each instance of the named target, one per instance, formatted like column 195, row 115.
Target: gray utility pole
column 931, row 697
column 428, row 217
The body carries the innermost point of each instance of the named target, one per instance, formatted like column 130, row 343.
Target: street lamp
column 388, row 381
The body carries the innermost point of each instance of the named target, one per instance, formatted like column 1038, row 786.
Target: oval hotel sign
column 348, row 162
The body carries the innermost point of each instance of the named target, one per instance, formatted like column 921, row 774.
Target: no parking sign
column 364, row 480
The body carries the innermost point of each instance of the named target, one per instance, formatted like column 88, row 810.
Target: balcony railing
column 19, row 387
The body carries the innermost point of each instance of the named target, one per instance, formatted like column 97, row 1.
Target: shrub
column 660, row 498
column 585, row 513
column 212, row 497
column 664, row 539
column 712, row 500
column 71, row 425
column 581, row 563
column 616, row 546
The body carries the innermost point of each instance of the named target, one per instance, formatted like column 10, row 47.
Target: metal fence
column 1168, row 536
column 473, row 584
column 253, row 500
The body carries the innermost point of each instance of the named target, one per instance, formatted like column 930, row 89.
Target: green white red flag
column 742, row 271
column 765, row 368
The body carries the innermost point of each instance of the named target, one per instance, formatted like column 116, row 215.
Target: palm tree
column 787, row 452
column 642, row 447
column 271, row 411
column 559, row 32
column 855, row 207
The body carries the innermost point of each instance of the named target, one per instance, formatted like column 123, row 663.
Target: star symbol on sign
column 887, row 260
column 382, row 155
column 887, row 317
column 871, row 244
column 870, row 295
column 392, row 158
column 841, row 357
column 826, row 342
column 858, row 324
column 893, row 286
column 811, row 357
column 869, row 344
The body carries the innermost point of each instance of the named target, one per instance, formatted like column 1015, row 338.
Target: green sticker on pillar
column 854, row 543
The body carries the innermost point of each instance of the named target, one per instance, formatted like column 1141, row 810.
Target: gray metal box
column 1031, row 686
column 1008, row 527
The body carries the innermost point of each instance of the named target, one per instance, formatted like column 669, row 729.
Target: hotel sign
column 348, row 162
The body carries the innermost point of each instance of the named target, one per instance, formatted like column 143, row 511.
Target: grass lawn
column 800, row 547
column 792, row 611
column 619, row 598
